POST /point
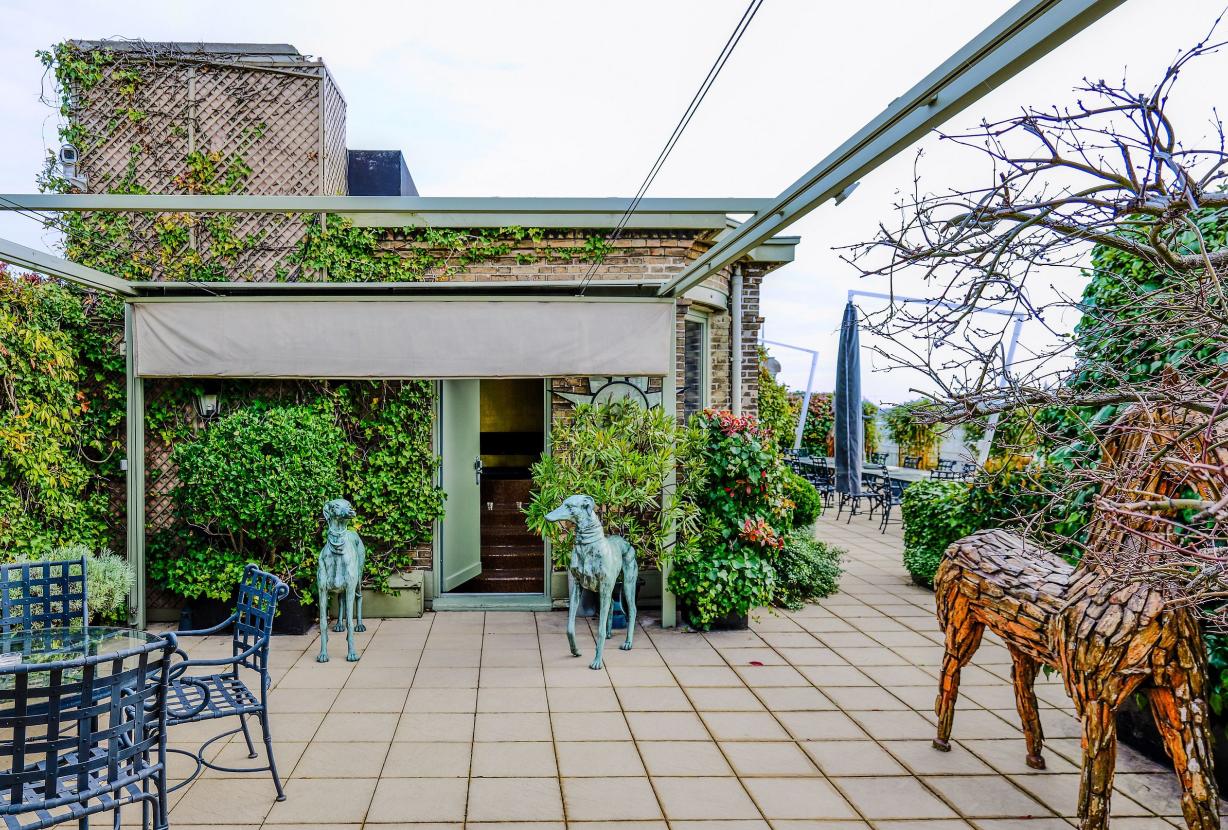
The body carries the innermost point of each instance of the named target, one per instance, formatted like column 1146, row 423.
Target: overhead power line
column 679, row 128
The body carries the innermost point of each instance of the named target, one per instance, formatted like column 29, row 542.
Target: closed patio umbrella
column 847, row 406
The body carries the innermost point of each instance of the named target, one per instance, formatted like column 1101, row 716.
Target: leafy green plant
column 807, row 501
column 250, row 490
column 911, row 434
column 719, row 583
column 819, row 424
column 108, row 579
column 935, row 515
column 777, row 409
column 736, row 481
column 806, row 570
column 870, row 430
column 622, row 455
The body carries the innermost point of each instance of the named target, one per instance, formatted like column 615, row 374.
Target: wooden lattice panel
column 273, row 127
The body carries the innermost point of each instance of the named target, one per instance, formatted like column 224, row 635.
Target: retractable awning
column 402, row 338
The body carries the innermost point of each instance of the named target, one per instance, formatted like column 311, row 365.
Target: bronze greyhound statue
column 340, row 571
column 596, row 562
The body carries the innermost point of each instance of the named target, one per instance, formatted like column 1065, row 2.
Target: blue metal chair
column 212, row 696
column 89, row 735
column 912, row 462
column 36, row 595
column 890, row 494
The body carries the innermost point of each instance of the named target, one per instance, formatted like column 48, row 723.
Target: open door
column 460, row 426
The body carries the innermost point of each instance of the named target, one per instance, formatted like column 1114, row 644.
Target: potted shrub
column 250, row 489
column 734, row 476
column 622, row 455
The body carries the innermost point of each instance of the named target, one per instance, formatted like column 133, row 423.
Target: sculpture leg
column 631, row 576
column 340, row 624
column 323, row 658
column 1190, row 748
column 360, row 626
column 603, row 622
column 1023, row 675
column 347, row 608
column 1099, row 762
column 963, row 639
column 573, row 605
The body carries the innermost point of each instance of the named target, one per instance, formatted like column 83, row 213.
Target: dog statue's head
column 338, row 513
column 579, row 510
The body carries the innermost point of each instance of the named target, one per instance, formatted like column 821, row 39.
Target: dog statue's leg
column 323, row 658
column 340, row 624
column 603, row 623
column 347, row 608
column 631, row 576
column 358, row 602
column 573, row 605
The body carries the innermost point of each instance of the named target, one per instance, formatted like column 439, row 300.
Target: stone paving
column 815, row 720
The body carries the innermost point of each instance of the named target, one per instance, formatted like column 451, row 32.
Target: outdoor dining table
column 57, row 645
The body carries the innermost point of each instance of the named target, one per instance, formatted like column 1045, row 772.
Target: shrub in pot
column 734, row 476
column 250, row 490
column 623, row 456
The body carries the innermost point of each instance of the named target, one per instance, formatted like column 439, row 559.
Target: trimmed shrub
column 935, row 515
column 807, row 501
column 806, row 570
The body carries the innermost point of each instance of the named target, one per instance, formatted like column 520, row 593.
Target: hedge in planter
column 250, row 490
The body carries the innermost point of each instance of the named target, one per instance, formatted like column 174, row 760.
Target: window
column 694, row 391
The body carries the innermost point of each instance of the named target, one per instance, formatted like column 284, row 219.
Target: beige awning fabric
column 418, row 338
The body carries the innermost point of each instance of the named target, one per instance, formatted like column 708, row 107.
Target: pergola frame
column 1028, row 31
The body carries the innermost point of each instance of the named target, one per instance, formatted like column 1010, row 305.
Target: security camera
column 69, row 158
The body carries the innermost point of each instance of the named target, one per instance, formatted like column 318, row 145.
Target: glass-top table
column 30, row 649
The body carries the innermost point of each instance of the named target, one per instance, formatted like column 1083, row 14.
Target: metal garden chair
column 890, row 494
column 879, row 458
column 88, row 735
column 35, row 595
column 912, row 462
column 212, row 696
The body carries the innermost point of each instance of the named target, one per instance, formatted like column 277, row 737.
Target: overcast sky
column 576, row 99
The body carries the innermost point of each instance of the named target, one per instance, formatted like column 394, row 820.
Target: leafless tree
column 1107, row 174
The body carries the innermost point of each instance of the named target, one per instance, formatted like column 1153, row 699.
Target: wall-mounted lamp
column 209, row 400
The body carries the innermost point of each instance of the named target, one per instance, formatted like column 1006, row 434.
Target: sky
column 577, row 98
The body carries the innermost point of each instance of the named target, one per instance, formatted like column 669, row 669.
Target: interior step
column 517, row 582
column 512, row 559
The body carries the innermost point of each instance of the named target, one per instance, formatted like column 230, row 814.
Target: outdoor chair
column 879, row 458
column 947, row 465
column 196, row 698
column 89, row 735
column 36, row 595
column 820, row 477
column 912, row 462
column 890, row 494
column 867, row 495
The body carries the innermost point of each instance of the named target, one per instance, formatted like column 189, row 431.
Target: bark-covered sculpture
column 1108, row 636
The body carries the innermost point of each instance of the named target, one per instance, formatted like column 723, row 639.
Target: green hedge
column 935, row 515
column 807, row 501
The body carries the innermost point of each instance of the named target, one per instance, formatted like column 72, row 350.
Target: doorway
column 494, row 431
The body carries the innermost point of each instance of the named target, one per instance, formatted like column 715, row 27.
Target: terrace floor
column 814, row 720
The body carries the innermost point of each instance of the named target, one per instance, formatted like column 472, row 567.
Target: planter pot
column 590, row 603
column 729, row 622
column 292, row 616
column 406, row 602
column 1137, row 730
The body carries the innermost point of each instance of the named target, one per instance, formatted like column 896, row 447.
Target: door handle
column 477, row 471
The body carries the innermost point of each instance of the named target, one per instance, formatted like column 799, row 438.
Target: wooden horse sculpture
column 1109, row 638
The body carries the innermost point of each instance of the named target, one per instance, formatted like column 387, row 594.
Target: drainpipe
column 735, row 347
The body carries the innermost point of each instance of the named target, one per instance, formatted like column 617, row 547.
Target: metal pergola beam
column 52, row 266
column 1027, row 32
column 496, row 206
